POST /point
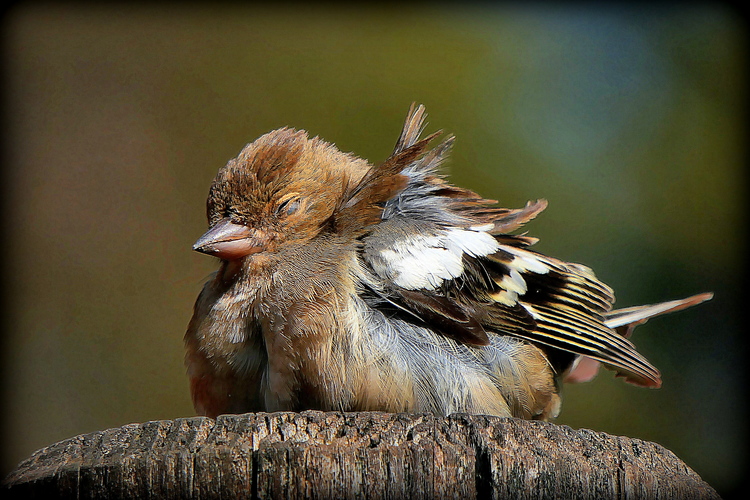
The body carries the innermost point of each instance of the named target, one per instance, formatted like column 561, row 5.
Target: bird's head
column 282, row 189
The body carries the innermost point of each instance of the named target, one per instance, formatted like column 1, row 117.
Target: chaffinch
column 348, row 286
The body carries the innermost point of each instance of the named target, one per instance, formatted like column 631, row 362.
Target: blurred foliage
column 629, row 120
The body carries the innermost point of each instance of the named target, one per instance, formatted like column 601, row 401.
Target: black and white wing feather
column 445, row 256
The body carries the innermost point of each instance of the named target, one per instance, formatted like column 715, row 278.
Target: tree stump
column 368, row 455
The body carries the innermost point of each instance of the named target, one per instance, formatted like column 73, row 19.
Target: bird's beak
column 229, row 241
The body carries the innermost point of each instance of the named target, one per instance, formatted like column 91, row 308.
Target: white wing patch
column 425, row 261
column 475, row 242
column 525, row 261
column 513, row 282
column 512, row 285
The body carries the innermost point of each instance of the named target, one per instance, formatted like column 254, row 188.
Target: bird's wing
column 444, row 256
column 624, row 321
column 464, row 283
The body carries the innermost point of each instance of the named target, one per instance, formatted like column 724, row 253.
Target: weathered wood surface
column 353, row 455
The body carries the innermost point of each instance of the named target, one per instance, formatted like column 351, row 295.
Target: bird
column 344, row 285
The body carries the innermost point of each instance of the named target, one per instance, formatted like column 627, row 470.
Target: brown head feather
column 280, row 167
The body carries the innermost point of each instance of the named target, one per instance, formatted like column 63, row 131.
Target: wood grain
column 365, row 455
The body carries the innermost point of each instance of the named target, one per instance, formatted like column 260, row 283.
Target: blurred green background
column 629, row 120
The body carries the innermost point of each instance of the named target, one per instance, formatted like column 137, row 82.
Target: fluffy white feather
column 424, row 262
column 526, row 261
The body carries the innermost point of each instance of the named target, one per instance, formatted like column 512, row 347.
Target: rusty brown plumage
column 349, row 286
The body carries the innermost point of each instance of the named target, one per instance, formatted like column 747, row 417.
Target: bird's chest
column 229, row 336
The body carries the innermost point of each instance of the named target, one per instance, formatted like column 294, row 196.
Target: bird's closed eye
column 289, row 206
